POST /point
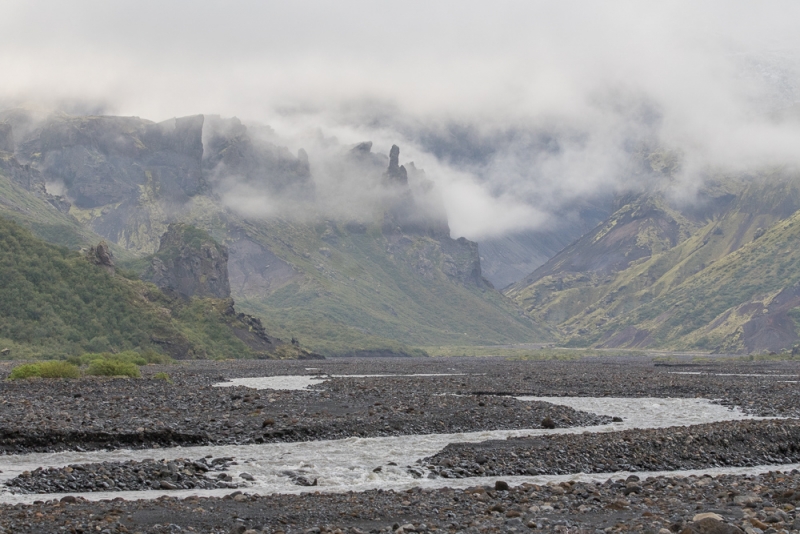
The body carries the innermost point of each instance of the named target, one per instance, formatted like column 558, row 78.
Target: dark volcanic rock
column 97, row 413
column 126, row 476
column 396, row 174
column 103, row 160
column 101, row 255
column 665, row 504
column 235, row 156
column 739, row 443
column 190, row 263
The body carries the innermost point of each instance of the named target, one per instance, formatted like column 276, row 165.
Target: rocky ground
column 730, row 443
column 126, row 476
column 721, row 505
column 92, row 413
column 96, row 413
column 99, row 413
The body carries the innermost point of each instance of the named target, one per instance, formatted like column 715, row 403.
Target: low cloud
column 519, row 111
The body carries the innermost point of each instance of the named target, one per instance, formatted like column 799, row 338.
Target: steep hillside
column 608, row 289
column 747, row 301
column 57, row 302
column 378, row 280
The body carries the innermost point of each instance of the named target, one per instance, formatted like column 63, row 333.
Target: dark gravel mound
column 765, row 502
column 127, row 476
column 101, row 413
column 739, row 443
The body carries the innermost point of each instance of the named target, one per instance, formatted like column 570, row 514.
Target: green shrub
column 28, row 370
column 108, row 367
column 128, row 356
column 48, row 369
column 162, row 376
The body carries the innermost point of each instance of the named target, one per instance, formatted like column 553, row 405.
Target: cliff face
column 190, row 263
column 104, row 160
column 233, row 156
column 415, row 226
column 377, row 276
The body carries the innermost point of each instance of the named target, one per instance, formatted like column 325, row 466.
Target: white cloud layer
column 552, row 94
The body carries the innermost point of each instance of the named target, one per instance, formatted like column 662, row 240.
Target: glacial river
column 348, row 464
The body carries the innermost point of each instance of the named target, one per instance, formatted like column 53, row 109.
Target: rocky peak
column 190, row 263
column 363, row 148
column 396, row 174
column 235, row 156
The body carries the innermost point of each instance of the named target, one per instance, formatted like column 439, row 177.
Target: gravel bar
column 725, row 444
column 127, row 476
column 661, row 505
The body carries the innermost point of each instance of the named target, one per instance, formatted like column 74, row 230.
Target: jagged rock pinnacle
column 396, row 173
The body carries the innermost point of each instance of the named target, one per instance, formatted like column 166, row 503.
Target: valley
column 444, row 444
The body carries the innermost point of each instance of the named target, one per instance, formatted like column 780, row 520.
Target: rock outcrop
column 105, row 160
column 101, row 255
column 190, row 263
column 415, row 209
column 396, row 174
column 233, row 157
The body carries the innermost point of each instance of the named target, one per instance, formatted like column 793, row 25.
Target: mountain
column 371, row 279
column 58, row 302
column 509, row 258
column 712, row 275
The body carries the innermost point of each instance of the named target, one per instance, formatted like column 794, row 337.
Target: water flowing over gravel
column 98, row 413
column 486, row 493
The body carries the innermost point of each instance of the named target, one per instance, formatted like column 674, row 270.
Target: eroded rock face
column 101, row 255
column 234, row 158
column 415, row 211
column 190, row 263
column 104, row 160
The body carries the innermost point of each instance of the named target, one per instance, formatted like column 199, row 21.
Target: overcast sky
column 705, row 78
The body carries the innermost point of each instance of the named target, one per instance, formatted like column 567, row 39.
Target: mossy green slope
column 44, row 220
column 353, row 290
column 675, row 297
column 56, row 303
column 709, row 310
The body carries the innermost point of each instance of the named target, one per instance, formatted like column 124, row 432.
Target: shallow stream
column 349, row 464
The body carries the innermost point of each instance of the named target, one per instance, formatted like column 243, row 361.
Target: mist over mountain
column 519, row 126
column 522, row 130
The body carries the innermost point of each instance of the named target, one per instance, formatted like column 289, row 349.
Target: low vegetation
column 92, row 364
column 48, row 369
column 109, row 367
column 523, row 352
column 58, row 305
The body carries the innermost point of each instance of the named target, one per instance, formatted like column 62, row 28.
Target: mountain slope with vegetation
column 57, row 302
column 372, row 281
column 712, row 284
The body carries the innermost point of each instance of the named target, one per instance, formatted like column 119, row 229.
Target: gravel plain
column 762, row 503
column 477, row 394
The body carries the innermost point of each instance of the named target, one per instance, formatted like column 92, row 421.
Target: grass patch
column 162, row 376
column 48, row 369
column 104, row 367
